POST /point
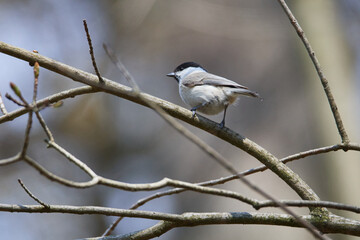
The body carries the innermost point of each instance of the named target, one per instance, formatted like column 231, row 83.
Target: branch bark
column 285, row 173
column 335, row 224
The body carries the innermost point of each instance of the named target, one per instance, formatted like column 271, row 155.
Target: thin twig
column 305, row 203
column 32, row 195
column 324, row 81
column 10, row 160
column 73, row 159
column 36, row 81
column 44, row 126
column 2, row 106
column 311, row 152
column 8, row 96
column 316, row 151
column 27, row 135
column 91, row 50
column 48, row 100
column 121, row 68
column 30, row 118
column 58, row 179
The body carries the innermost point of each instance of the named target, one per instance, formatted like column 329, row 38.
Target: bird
column 206, row 92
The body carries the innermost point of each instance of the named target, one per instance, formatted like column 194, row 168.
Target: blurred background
column 249, row 41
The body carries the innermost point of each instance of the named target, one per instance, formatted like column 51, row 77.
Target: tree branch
column 2, row 106
column 304, row 203
column 32, row 195
column 291, row 178
column 324, row 81
column 334, row 224
column 49, row 100
column 91, row 51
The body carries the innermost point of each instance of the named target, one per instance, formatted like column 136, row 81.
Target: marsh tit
column 206, row 92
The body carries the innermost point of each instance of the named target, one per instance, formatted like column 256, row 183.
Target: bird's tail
column 246, row 92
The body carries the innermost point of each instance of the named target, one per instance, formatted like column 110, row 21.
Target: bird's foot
column 193, row 110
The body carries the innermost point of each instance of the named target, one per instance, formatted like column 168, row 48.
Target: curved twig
column 324, row 81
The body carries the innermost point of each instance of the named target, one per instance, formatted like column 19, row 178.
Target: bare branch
column 32, row 195
column 72, row 159
column 58, row 179
column 44, row 126
column 10, row 160
column 166, row 182
column 91, row 50
column 48, row 100
column 2, row 106
column 36, row 81
column 335, row 224
column 316, row 151
column 8, row 96
column 155, row 231
column 304, row 203
column 324, row 81
column 121, row 68
column 27, row 135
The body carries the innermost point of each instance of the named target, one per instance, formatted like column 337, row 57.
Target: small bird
column 206, row 92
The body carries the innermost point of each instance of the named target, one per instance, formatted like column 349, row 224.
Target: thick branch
column 334, row 224
column 292, row 179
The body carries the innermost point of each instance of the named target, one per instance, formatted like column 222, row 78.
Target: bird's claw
column 193, row 112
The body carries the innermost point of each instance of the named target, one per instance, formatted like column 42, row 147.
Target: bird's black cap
column 186, row 65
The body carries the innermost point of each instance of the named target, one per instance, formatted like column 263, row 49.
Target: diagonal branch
column 32, row 195
column 285, row 173
column 49, row 100
column 324, row 81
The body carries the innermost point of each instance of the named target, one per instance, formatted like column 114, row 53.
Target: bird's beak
column 170, row 74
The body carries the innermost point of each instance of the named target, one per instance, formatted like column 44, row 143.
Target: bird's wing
column 202, row 78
